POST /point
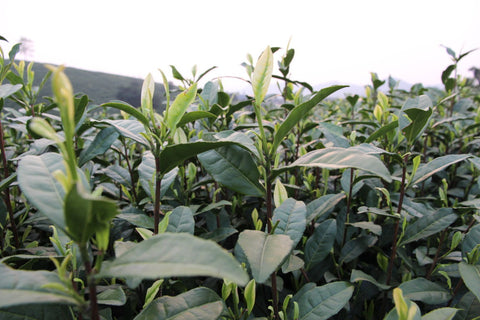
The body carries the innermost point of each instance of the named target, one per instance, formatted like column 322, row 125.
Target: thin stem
column 92, row 287
column 132, row 181
column 397, row 224
column 8, row 203
column 349, row 203
column 437, row 254
column 156, row 209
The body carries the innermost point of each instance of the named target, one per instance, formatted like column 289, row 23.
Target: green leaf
column 279, row 193
column 175, row 255
column 86, row 214
column 195, row 115
column 469, row 307
column 197, row 304
column 7, row 90
column 174, row 155
column 298, row 113
column 262, row 75
column 427, row 170
column 219, row 234
column 291, row 217
column 429, row 225
column 471, row 277
column 421, row 289
column 181, row 220
column 152, row 292
column 440, row 314
column 355, row 247
column 382, row 131
column 136, row 217
column 358, row 276
column 40, row 187
column 264, row 252
column 321, row 303
column 471, row 240
column 131, row 129
column 178, row 107
column 148, row 89
column 318, row 209
column 112, row 297
column 131, row 110
column 414, row 117
column 233, row 167
column 19, row 287
column 147, row 176
column 102, row 142
column 318, row 245
column 47, row 311
column 340, row 158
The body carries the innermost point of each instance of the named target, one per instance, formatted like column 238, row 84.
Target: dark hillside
column 102, row 87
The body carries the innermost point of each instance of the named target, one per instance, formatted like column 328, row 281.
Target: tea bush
column 276, row 206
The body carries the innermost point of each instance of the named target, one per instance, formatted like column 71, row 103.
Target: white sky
column 335, row 41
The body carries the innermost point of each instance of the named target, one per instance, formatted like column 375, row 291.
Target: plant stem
column 156, row 207
column 6, row 174
column 92, row 288
column 349, row 203
column 132, row 181
column 437, row 254
column 397, row 224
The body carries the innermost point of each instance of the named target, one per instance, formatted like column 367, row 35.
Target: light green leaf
column 7, row 90
column 262, row 75
column 86, row 214
column 279, row 193
column 178, row 107
column 19, row 287
column 318, row 246
column 414, row 117
column 148, row 89
column 131, row 129
column 429, row 225
column 421, row 289
column 152, row 292
column 340, row 158
column 43, row 191
column 233, row 167
column 292, row 219
column 264, row 252
column 321, row 303
column 471, row 277
column 197, row 304
column 440, row 314
column 175, row 255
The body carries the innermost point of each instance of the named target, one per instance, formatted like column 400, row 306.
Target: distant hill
column 101, row 87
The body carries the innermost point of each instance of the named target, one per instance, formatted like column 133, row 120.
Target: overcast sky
column 335, row 41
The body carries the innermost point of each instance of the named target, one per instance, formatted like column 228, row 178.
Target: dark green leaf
column 358, row 276
column 147, row 176
column 234, row 168
column 321, row 303
column 131, row 110
column 427, row 170
column 471, row 277
column 298, row 113
column 102, row 142
column 195, row 115
column 429, row 225
column 318, row 209
column 112, row 297
column 7, row 90
column 355, row 247
column 318, row 245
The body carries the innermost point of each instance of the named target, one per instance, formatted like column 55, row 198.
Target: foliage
column 289, row 206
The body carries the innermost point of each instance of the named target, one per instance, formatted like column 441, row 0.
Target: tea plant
column 296, row 206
